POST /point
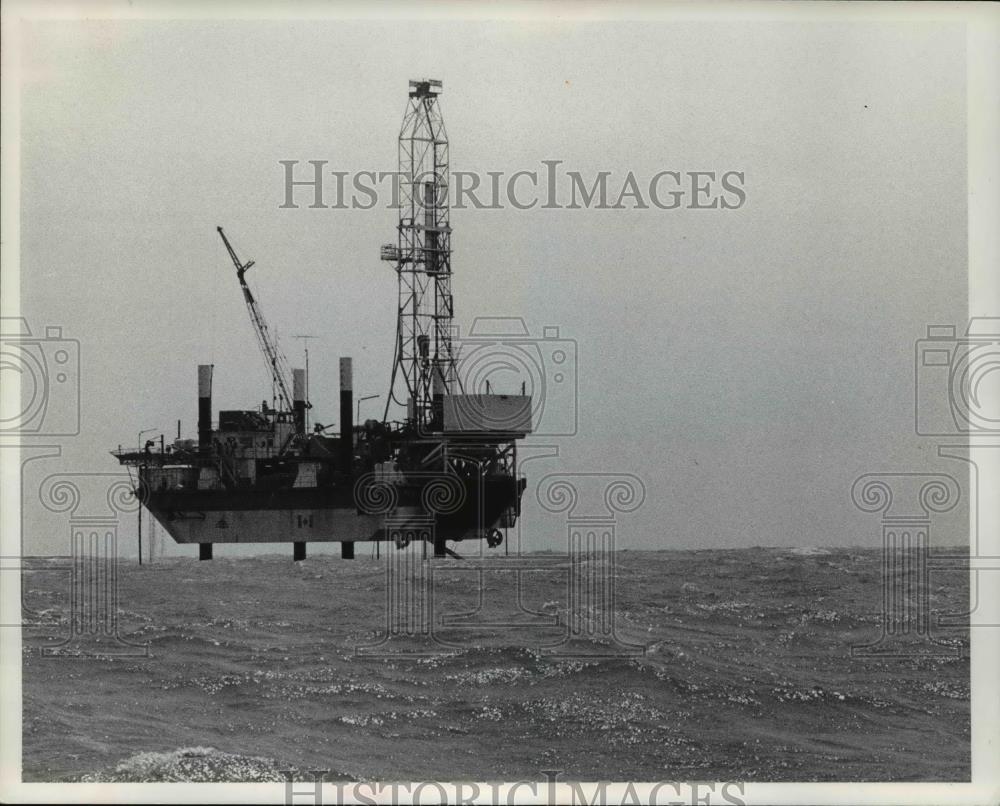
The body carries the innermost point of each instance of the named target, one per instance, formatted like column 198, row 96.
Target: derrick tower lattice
column 424, row 366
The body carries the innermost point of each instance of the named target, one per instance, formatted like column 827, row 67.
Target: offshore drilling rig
column 446, row 472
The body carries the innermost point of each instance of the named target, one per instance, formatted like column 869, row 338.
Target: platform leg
column 204, row 551
column 439, row 547
column 347, row 550
column 298, row 550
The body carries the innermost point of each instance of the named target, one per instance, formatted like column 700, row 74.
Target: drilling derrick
column 424, row 368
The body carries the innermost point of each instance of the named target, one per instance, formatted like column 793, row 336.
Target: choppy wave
column 191, row 765
column 253, row 669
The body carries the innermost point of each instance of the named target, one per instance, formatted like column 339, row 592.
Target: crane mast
column 267, row 344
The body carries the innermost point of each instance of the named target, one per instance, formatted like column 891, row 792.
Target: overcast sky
column 747, row 364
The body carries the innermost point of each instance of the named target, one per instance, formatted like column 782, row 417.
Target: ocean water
column 253, row 668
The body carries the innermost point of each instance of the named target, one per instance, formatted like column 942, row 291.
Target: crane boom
column 268, row 345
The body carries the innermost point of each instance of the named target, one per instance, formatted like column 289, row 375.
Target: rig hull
column 328, row 515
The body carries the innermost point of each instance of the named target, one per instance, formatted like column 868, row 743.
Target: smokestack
column 437, row 399
column 205, row 405
column 346, row 415
column 299, row 399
